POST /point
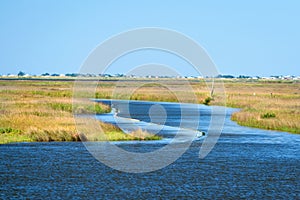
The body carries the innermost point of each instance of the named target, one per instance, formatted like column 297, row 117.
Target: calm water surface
column 245, row 163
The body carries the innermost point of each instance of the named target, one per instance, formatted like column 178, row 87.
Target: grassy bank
column 267, row 105
column 42, row 111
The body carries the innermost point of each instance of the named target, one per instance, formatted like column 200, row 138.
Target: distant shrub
column 8, row 130
column 268, row 115
column 207, row 100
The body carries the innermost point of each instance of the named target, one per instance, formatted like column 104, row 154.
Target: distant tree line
column 106, row 75
column 21, row 73
column 231, row 76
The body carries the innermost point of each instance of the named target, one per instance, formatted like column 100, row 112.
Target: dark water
column 245, row 163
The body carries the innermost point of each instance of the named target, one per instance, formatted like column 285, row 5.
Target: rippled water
column 245, row 163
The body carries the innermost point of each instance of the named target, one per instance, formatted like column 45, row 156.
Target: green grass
column 268, row 115
column 9, row 130
column 8, row 135
column 95, row 108
column 118, row 136
column 67, row 107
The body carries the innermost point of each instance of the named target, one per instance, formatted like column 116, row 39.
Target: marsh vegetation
column 42, row 110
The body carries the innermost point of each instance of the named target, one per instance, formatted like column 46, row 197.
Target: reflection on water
column 245, row 163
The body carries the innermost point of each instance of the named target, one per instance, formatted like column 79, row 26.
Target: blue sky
column 250, row 38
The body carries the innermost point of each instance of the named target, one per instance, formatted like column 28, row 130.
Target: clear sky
column 242, row 37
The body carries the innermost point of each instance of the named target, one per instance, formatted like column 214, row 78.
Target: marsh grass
column 94, row 130
column 267, row 105
column 138, row 135
column 42, row 110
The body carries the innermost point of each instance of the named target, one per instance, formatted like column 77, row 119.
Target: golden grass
column 257, row 100
column 42, row 111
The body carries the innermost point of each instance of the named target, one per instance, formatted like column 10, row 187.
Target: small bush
column 207, row 100
column 268, row 115
column 8, row 130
